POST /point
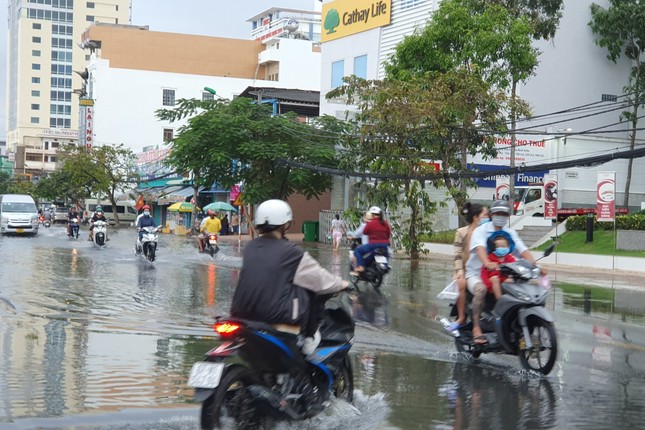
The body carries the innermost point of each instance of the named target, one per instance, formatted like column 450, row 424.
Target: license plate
column 212, row 242
column 20, row 230
column 205, row 374
column 380, row 259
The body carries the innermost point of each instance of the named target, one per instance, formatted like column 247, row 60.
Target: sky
column 206, row 17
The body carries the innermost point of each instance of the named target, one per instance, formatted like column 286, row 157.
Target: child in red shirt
column 501, row 254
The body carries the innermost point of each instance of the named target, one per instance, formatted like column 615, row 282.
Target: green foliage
column 623, row 222
column 239, row 141
column 103, row 170
column 9, row 185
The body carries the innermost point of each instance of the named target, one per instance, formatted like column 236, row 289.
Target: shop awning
column 174, row 195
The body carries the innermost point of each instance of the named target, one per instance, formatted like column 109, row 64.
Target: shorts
column 337, row 235
column 472, row 282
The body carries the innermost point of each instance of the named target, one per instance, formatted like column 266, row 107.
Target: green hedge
column 623, row 222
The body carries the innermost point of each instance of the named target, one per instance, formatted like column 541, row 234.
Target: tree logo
column 332, row 20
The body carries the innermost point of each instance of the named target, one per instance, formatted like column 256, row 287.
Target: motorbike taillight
column 212, row 237
column 227, row 328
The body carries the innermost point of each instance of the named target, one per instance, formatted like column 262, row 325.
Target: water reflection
column 370, row 306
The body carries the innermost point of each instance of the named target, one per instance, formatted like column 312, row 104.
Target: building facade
column 43, row 54
column 572, row 72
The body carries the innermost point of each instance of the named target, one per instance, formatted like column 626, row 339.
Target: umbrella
column 219, row 206
column 181, row 207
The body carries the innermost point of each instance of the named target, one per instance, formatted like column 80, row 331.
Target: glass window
column 35, row 53
column 337, row 71
column 35, row 39
column 168, row 134
column 35, row 120
column 35, row 66
column 90, row 5
column 35, row 93
column 89, row 18
column 168, row 97
column 36, row 26
column 360, row 66
column 35, row 80
column 35, row 106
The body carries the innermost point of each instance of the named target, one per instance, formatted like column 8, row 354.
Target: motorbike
column 147, row 246
column 99, row 233
column 73, row 228
column 375, row 271
column 517, row 323
column 258, row 375
column 210, row 244
column 44, row 221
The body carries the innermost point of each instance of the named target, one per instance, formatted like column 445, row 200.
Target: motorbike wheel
column 230, row 404
column 343, row 386
column 377, row 281
column 541, row 357
column 151, row 253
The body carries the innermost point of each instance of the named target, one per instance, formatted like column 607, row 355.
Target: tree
column 620, row 29
column 240, row 141
column 478, row 37
column 405, row 125
column 103, row 170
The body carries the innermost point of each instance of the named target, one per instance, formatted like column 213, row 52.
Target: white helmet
column 273, row 212
column 375, row 210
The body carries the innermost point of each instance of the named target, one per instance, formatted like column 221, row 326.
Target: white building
column 573, row 72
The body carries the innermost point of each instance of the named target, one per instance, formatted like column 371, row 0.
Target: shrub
column 623, row 222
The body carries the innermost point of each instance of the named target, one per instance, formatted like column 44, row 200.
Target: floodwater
column 101, row 339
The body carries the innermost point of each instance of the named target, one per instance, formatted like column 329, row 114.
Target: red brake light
column 226, row 329
column 213, row 237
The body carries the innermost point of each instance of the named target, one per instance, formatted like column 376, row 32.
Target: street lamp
column 213, row 92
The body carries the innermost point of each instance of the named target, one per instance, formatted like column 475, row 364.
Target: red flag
column 140, row 203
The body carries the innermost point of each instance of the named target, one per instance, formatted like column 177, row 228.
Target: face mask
column 501, row 252
column 483, row 221
column 500, row 221
column 146, row 213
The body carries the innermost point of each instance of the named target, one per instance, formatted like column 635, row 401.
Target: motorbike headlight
column 535, row 272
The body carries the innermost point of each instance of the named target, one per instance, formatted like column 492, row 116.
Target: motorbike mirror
column 549, row 250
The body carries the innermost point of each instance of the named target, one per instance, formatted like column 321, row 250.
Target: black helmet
column 500, row 206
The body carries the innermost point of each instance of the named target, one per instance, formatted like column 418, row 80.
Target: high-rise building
column 43, row 88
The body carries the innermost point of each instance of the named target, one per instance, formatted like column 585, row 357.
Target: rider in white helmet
column 279, row 281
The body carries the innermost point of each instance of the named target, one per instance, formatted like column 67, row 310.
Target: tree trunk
column 114, row 211
column 511, row 179
column 637, row 101
column 194, row 227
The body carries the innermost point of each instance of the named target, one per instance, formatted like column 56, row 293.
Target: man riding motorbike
column 378, row 232
column 145, row 220
column 98, row 216
column 210, row 225
column 280, row 283
column 500, row 213
column 73, row 213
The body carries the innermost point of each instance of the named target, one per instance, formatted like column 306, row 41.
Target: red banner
column 606, row 196
column 550, row 196
column 140, row 203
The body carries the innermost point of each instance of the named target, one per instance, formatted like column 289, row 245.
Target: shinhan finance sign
column 344, row 17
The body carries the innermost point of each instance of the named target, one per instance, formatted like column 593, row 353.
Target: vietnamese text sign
column 551, row 196
column 342, row 18
column 606, row 196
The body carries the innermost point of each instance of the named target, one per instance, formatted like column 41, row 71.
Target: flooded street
column 101, row 339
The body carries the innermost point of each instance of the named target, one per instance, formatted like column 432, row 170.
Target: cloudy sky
column 206, row 17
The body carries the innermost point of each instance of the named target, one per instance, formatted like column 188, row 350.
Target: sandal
column 480, row 340
column 453, row 326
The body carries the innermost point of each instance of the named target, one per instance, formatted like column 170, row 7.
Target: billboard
column 343, row 18
column 550, row 196
column 606, row 196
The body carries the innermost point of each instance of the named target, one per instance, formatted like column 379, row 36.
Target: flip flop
column 480, row 340
column 453, row 326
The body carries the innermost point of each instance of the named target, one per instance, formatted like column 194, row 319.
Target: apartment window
column 35, row 52
column 35, row 120
column 360, row 66
column 337, row 71
column 35, row 80
column 168, row 134
column 89, row 18
column 35, row 39
column 35, row 66
column 207, row 96
column 35, row 93
column 36, row 26
column 168, row 97
column 90, row 5
column 35, row 106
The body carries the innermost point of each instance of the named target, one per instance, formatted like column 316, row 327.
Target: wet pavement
column 101, row 339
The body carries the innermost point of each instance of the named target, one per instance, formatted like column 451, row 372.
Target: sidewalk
column 571, row 262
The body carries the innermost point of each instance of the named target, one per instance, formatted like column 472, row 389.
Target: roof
column 283, row 94
column 281, row 9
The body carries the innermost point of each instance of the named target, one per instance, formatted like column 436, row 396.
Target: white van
column 18, row 214
column 125, row 209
